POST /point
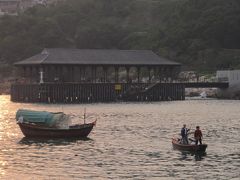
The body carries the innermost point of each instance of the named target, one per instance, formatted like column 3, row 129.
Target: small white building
column 231, row 76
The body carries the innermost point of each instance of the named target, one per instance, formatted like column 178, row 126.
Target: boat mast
column 84, row 116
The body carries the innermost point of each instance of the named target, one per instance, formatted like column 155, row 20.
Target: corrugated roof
column 96, row 57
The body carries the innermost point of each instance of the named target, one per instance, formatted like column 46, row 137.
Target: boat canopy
column 39, row 117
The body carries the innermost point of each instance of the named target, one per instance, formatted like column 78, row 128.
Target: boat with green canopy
column 51, row 124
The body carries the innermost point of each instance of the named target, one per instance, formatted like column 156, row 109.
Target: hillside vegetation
column 201, row 34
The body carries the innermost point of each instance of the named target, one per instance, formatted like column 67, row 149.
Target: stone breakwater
column 193, row 92
column 230, row 93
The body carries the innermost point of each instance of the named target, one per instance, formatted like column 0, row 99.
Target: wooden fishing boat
column 176, row 142
column 76, row 131
column 45, row 124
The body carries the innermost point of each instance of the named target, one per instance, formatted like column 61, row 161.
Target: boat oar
column 192, row 140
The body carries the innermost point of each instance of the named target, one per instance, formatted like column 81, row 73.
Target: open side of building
column 96, row 75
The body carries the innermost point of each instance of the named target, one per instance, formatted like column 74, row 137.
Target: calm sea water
column 130, row 141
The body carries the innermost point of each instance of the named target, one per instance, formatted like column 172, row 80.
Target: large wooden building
column 96, row 75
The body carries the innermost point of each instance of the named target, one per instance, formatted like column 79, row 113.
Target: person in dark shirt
column 184, row 134
column 198, row 135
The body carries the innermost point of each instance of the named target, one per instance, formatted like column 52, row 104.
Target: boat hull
column 80, row 131
column 188, row 147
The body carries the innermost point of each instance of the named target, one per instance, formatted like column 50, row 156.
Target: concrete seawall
column 233, row 92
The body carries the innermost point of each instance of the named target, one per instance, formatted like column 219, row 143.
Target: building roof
column 96, row 57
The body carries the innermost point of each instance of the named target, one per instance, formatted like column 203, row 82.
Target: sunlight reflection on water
column 130, row 141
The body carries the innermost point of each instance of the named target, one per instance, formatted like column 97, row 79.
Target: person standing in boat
column 184, row 134
column 198, row 135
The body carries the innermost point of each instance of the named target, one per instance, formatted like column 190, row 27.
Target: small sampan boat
column 43, row 124
column 176, row 142
column 77, row 131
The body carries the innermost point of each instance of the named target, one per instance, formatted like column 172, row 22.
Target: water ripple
column 130, row 141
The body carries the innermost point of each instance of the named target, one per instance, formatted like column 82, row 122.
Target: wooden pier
column 221, row 85
column 94, row 92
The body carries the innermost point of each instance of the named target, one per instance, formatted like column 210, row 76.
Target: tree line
column 203, row 35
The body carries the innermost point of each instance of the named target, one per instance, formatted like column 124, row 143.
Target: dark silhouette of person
column 184, row 134
column 198, row 135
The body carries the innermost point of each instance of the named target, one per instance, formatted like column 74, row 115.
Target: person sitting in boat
column 184, row 134
column 198, row 135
